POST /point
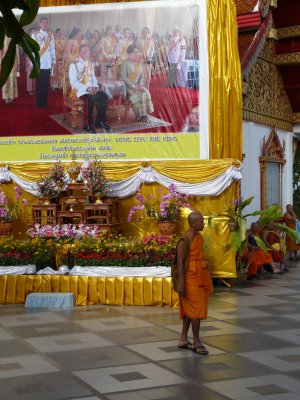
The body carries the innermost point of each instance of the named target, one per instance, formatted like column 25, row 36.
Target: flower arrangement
column 16, row 252
column 53, row 242
column 95, row 179
column 65, row 231
column 167, row 208
column 88, row 250
column 151, row 250
column 51, row 185
column 10, row 210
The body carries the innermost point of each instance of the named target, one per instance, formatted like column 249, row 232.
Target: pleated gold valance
column 187, row 171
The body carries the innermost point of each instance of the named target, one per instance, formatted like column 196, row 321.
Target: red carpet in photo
column 23, row 118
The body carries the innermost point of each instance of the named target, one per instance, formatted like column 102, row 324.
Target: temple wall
column 253, row 135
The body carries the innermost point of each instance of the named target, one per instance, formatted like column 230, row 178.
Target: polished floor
column 131, row 353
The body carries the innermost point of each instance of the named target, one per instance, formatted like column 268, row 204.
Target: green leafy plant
column 45, row 252
column 237, row 225
column 11, row 27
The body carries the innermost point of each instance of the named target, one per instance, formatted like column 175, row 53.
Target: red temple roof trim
column 256, row 46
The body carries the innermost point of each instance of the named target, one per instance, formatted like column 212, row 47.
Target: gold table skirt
column 130, row 291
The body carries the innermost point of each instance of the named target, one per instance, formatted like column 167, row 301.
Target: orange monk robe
column 258, row 259
column 198, row 285
column 272, row 238
column 289, row 242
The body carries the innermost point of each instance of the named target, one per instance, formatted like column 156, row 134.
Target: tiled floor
column 131, row 353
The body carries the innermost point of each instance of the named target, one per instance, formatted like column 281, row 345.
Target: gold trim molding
column 265, row 100
column 286, row 59
column 273, row 34
column 266, row 120
column 273, row 3
column 288, row 32
column 296, row 118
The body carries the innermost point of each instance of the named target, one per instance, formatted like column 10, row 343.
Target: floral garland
column 63, row 231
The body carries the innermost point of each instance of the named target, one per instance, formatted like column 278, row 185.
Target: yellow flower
column 276, row 246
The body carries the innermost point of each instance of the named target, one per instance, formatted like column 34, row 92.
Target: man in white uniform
column 176, row 54
column 45, row 40
column 84, row 83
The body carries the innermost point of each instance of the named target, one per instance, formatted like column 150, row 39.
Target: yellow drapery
column 189, row 171
column 225, row 103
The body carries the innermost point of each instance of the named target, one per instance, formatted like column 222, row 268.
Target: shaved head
column 196, row 221
column 193, row 216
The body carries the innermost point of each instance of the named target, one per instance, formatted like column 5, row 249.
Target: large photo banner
column 118, row 82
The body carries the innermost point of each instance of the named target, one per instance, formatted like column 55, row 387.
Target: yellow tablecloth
column 131, row 291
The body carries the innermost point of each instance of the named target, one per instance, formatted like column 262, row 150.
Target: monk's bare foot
column 185, row 345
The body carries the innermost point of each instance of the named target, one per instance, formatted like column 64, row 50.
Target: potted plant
column 9, row 210
column 95, row 180
column 166, row 210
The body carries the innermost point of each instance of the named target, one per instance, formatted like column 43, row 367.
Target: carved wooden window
column 271, row 168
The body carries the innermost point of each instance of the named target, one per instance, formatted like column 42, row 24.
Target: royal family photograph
column 108, row 68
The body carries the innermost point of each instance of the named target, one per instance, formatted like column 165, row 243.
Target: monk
column 258, row 257
column 290, row 219
column 271, row 237
column 194, row 283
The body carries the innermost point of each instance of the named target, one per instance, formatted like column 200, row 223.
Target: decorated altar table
column 130, row 271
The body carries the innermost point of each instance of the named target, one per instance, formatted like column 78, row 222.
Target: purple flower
column 3, row 199
column 3, row 213
column 169, row 207
column 172, row 187
column 18, row 192
column 139, row 197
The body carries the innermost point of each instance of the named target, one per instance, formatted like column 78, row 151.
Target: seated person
column 272, row 239
column 138, row 95
column 292, row 245
column 258, row 258
column 84, row 84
